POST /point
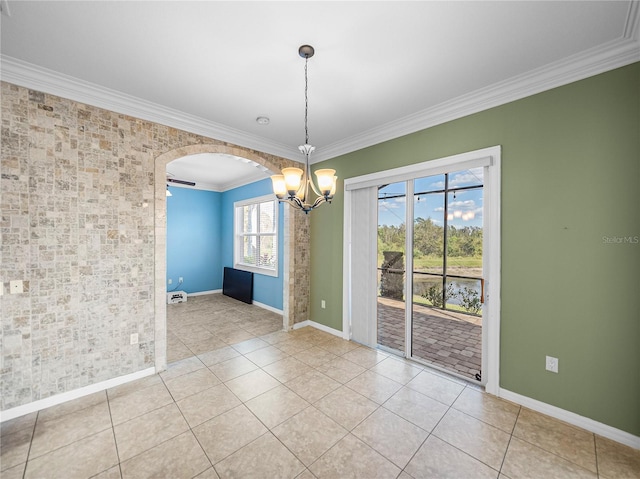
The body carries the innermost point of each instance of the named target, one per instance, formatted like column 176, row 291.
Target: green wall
column 570, row 177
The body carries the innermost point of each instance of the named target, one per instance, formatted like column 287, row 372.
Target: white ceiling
column 381, row 69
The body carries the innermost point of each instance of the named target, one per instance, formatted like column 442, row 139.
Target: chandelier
column 293, row 184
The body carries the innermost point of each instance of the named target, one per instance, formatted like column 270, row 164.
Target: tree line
column 428, row 239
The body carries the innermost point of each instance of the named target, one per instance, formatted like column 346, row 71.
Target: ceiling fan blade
column 181, row 182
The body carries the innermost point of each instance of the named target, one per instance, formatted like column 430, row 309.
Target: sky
column 466, row 206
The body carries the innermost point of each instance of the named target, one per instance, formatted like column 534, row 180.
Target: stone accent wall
column 83, row 214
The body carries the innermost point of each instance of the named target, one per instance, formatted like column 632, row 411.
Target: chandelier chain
column 306, row 100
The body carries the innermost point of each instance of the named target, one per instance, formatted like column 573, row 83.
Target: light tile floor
column 302, row 404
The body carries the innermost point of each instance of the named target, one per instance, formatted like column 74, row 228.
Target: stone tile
column 524, row 460
column 347, row 407
column 399, row 370
column 341, row 370
column 250, row 345
column 312, row 386
column 111, row 473
column 293, row 346
column 179, row 368
column 232, row 368
column 191, row 383
column 205, row 345
column 617, row 460
column 252, row 384
column 265, row 356
column 374, row 386
column 28, row 421
column 438, row 459
column 492, row 410
column 365, row 357
column 276, row 406
column 14, row 448
column 133, row 386
column 50, row 435
column 206, row 404
column 219, row 355
column 390, row 435
column 287, row 369
column 436, row 387
column 338, row 346
column 306, row 474
column 137, row 402
column 149, row 430
column 84, row 402
column 180, row 456
column 352, row 458
column 417, row 408
column 315, row 356
column 264, row 457
column 225, row 434
column 478, row 439
column 85, row 458
column 208, row 474
column 309, row 434
column 569, row 442
column 235, row 336
column 15, row 472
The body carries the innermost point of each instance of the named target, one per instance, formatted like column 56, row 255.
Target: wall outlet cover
column 552, row 364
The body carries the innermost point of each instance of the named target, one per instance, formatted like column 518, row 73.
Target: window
column 256, row 235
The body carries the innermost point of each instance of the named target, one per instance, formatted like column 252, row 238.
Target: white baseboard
column 267, row 307
column 595, row 427
column 75, row 394
column 321, row 327
column 202, row 293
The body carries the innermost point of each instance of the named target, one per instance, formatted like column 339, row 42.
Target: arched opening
column 296, row 228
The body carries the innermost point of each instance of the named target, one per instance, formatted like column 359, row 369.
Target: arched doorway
column 296, row 232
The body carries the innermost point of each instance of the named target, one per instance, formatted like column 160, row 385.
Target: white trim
column 462, row 161
column 267, row 307
column 586, row 423
column 74, row 394
column 319, row 326
column 492, row 268
column 600, row 59
column 203, row 293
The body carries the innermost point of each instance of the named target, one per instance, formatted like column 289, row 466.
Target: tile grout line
column 113, row 432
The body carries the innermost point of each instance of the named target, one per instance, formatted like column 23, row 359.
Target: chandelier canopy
column 293, row 184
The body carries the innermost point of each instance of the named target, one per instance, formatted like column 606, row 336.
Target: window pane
column 472, row 177
column 267, row 217
column 268, row 251
column 249, row 220
column 428, row 232
column 428, row 184
column 249, row 249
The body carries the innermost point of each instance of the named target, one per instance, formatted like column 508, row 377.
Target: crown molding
column 42, row 79
column 614, row 54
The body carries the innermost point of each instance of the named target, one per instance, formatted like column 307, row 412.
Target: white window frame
column 238, row 235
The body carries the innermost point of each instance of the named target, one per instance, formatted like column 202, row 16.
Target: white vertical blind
column 363, row 254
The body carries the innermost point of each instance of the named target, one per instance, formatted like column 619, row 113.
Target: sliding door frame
column 490, row 159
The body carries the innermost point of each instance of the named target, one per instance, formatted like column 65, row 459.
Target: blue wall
column 193, row 240
column 200, row 240
column 266, row 289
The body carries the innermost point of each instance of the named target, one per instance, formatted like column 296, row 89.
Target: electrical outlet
column 134, row 338
column 170, row 281
column 552, row 364
column 16, row 287
column 323, row 304
column 180, row 280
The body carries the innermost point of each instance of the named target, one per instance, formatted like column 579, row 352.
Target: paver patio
column 443, row 338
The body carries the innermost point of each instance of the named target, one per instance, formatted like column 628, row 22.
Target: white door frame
column 490, row 159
